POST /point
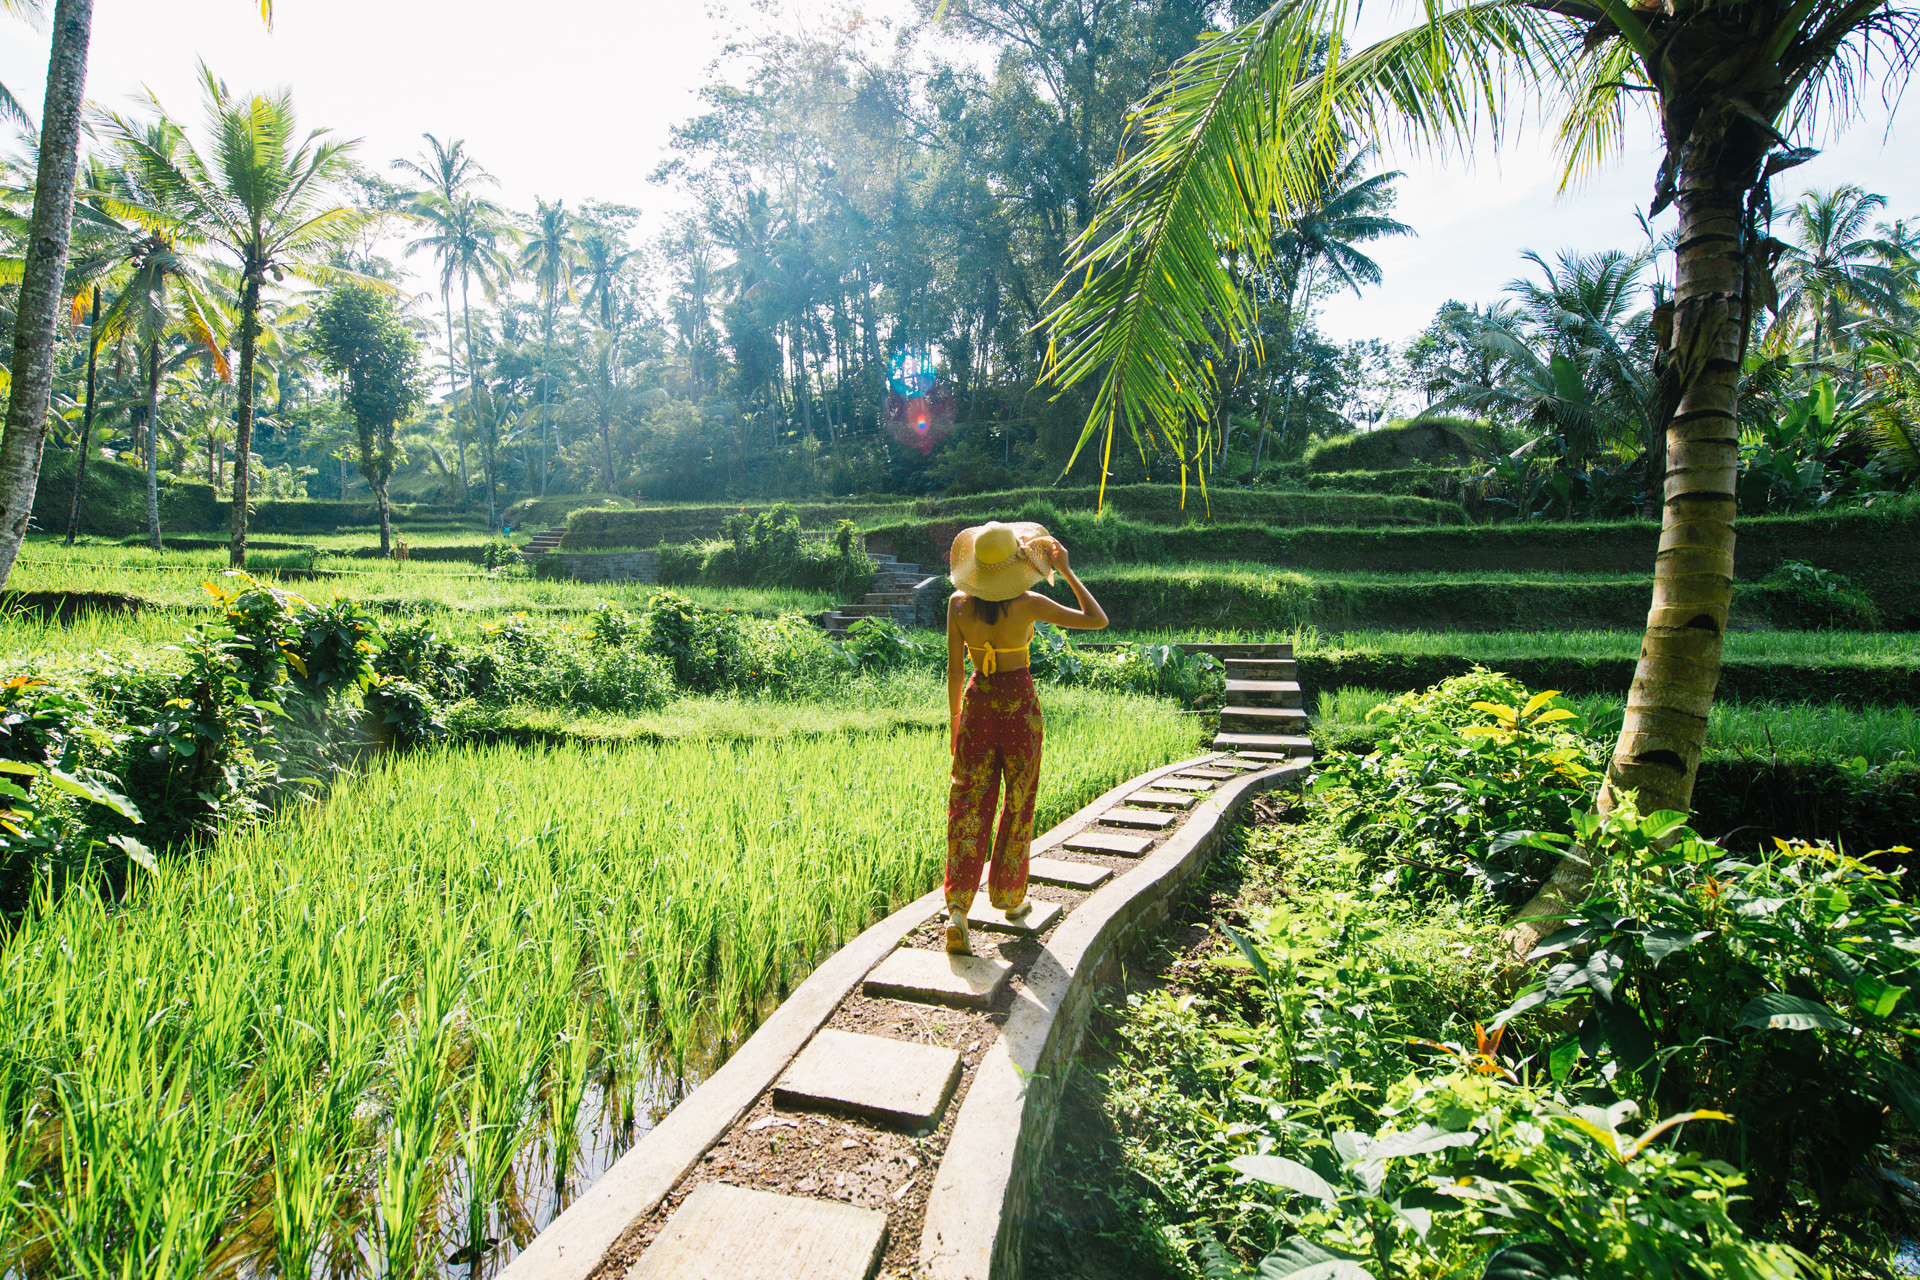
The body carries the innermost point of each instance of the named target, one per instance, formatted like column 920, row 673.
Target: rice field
column 391, row 1034
column 1877, row 735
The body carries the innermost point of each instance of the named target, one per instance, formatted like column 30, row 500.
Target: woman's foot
column 957, row 941
column 1019, row 909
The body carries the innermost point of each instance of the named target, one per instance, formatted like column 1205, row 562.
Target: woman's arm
column 1088, row 617
column 956, row 671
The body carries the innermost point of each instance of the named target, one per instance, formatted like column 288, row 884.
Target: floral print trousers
column 999, row 740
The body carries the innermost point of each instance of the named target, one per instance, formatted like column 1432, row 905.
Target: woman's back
column 1008, row 634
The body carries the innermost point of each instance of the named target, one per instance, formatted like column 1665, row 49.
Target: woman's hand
column 1056, row 553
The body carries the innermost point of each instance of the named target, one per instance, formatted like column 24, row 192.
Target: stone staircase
column 1264, row 717
column 542, row 542
column 899, row 592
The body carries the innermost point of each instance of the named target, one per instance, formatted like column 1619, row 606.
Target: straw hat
column 996, row 561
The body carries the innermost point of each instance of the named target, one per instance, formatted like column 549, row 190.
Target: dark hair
column 988, row 611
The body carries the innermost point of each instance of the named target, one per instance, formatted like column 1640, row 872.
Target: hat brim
column 1012, row 577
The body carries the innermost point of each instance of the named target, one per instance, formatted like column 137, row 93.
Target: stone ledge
column 975, row 1212
column 574, row 1243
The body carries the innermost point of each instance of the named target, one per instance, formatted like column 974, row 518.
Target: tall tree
column 264, row 195
column 1835, row 266
column 44, row 271
column 1244, row 124
column 604, row 254
column 364, row 341
column 470, row 238
column 449, row 173
column 548, row 259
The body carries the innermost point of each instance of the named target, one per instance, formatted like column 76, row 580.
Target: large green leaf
column 1301, row 1259
column 1777, row 1011
column 1278, row 1171
column 1529, row 1260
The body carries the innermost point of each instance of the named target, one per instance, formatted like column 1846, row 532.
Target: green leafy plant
column 1463, row 781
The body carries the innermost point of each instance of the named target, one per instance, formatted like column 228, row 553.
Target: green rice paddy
column 396, row 1027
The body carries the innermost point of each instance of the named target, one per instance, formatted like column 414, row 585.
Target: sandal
column 957, row 941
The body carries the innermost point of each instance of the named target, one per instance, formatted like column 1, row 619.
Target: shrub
column 1772, row 988
column 1462, row 782
column 1398, row 445
column 1823, row 598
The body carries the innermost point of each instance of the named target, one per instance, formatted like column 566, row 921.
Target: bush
column 1463, row 782
column 115, row 502
column 768, row 549
column 1771, row 989
column 1822, row 598
column 1438, row 440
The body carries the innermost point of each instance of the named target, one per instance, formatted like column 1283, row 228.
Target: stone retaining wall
column 608, row 566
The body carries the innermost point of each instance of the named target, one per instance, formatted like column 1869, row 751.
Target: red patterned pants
column 999, row 739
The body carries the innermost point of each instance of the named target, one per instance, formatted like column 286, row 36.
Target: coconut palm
column 11, row 107
column 603, row 255
column 165, row 292
column 264, row 195
column 549, row 257
column 1247, row 121
column 1837, row 267
column 470, row 238
column 57, row 162
column 449, row 173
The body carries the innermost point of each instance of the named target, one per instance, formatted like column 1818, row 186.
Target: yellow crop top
column 984, row 661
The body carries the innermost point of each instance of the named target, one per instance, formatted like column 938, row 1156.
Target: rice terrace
column 960, row 640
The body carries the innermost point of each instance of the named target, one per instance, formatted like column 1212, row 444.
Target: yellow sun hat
column 996, row 561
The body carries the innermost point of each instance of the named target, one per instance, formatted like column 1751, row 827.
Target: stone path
column 874, row 1067
column 1264, row 711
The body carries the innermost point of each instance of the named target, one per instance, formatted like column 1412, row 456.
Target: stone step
column 1179, row 799
column 745, row 1234
column 1148, row 818
column 890, row 1081
column 864, row 610
column 1262, row 719
column 934, row 977
column 1264, row 693
column 1180, row 783
column 1199, row 771
column 982, row 915
column 1262, row 669
column 1228, row 762
column 881, row 558
column 888, row 598
column 1068, row 875
column 1289, row 745
column 1272, row 757
column 1109, row 842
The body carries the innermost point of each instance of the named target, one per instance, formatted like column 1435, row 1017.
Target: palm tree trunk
column 1658, row 754
column 243, row 427
column 153, row 442
column 453, row 393
column 546, row 359
column 381, row 500
column 86, row 419
column 43, row 275
column 473, row 397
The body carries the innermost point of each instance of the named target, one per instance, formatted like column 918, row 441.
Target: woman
column 996, row 726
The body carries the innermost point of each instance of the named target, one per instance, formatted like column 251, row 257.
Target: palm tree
column 10, row 106
column 469, row 236
column 1345, row 209
column 549, row 257
column 1245, row 124
column 603, row 254
column 263, row 195
column 37, row 309
column 164, row 291
column 1836, row 267
column 449, row 173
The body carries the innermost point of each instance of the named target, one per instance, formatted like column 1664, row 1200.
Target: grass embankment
column 1852, row 668
column 360, row 1021
column 110, row 576
column 1151, row 506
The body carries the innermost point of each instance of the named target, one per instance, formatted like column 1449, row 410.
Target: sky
column 573, row 99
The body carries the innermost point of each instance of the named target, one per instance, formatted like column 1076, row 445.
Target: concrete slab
column 886, row 1080
column 735, row 1233
column 1227, row 763
column 1154, row 796
column 1069, row 875
column 934, row 977
column 1199, row 771
column 1290, row 743
column 982, row 916
column 1184, row 784
column 1151, row 818
column 1109, row 842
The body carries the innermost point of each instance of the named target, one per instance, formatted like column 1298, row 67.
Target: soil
column 831, row 1156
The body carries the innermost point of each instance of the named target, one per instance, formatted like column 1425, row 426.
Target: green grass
column 173, row 579
column 377, row 1024
column 1878, row 735
column 1866, row 647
